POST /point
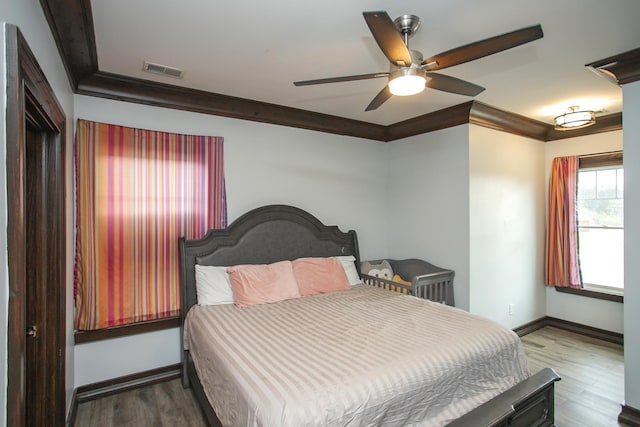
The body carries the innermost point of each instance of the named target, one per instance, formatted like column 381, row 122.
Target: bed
column 357, row 356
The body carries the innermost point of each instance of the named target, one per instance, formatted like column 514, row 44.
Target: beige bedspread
column 361, row 357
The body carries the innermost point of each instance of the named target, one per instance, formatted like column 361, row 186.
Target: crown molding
column 71, row 24
column 494, row 118
column 441, row 119
column 129, row 89
column 622, row 68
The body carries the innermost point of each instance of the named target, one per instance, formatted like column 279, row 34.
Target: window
column 138, row 191
column 601, row 223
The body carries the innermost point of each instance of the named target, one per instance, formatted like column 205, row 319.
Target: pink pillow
column 261, row 284
column 320, row 275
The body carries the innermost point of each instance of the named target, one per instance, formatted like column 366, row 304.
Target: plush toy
column 398, row 279
column 382, row 270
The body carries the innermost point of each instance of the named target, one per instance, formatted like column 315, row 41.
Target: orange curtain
column 562, row 267
column 137, row 192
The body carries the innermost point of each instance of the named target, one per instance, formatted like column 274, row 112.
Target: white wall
column 107, row 359
column 341, row 180
column 29, row 18
column 506, row 193
column 601, row 314
column 631, row 117
column 428, row 204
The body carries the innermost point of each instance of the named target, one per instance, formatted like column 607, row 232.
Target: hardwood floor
column 165, row 404
column 589, row 394
column 592, row 371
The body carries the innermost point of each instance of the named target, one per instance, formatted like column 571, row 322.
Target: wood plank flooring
column 589, row 394
column 159, row 405
column 592, row 371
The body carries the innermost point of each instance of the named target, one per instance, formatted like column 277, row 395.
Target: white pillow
column 348, row 263
column 213, row 286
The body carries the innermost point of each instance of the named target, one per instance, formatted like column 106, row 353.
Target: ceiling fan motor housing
column 415, row 69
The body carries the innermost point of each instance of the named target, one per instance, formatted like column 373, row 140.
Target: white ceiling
column 256, row 49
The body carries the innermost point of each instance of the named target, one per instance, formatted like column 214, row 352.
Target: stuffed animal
column 398, row 279
column 382, row 270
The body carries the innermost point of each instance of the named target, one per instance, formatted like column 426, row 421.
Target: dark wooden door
column 36, row 234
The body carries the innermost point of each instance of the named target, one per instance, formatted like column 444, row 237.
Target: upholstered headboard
column 262, row 236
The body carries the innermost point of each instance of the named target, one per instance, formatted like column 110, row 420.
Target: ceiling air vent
column 162, row 69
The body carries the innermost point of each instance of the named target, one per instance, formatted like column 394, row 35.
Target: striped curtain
column 137, row 192
column 562, row 267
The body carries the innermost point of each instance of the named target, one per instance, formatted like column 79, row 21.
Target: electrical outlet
column 510, row 309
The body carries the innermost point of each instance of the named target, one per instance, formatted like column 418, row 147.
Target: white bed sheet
column 361, row 357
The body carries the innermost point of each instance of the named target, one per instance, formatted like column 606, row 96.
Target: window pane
column 606, row 183
column 586, row 185
column 602, row 256
column 600, row 221
column 601, row 212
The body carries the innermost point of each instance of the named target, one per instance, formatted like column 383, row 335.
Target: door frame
column 31, row 99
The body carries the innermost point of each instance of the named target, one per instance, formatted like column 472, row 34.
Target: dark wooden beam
column 621, row 68
column 71, row 23
column 441, row 119
column 494, row 118
column 129, row 89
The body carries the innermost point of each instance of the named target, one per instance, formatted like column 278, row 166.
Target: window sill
column 592, row 294
column 126, row 330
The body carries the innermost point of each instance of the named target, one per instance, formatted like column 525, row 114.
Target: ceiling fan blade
column 341, row 79
column 453, row 85
column 388, row 37
column 482, row 48
column 380, row 99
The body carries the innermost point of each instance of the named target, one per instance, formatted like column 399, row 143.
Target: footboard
column 529, row 403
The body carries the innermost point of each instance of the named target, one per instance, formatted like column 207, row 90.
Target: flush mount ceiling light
column 574, row 118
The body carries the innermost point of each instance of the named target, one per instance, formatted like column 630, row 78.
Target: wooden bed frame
column 279, row 232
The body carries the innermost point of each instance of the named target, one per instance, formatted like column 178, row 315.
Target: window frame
column 81, row 336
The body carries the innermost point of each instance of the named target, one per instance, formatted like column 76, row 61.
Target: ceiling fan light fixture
column 574, row 118
column 407, row 81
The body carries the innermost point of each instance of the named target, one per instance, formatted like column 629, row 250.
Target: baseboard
column 589, row 331
column 629, row 416
column 532, row 326
column 128, row 382
column 73, row 410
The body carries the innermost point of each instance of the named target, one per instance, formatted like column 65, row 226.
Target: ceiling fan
column 409, row 73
